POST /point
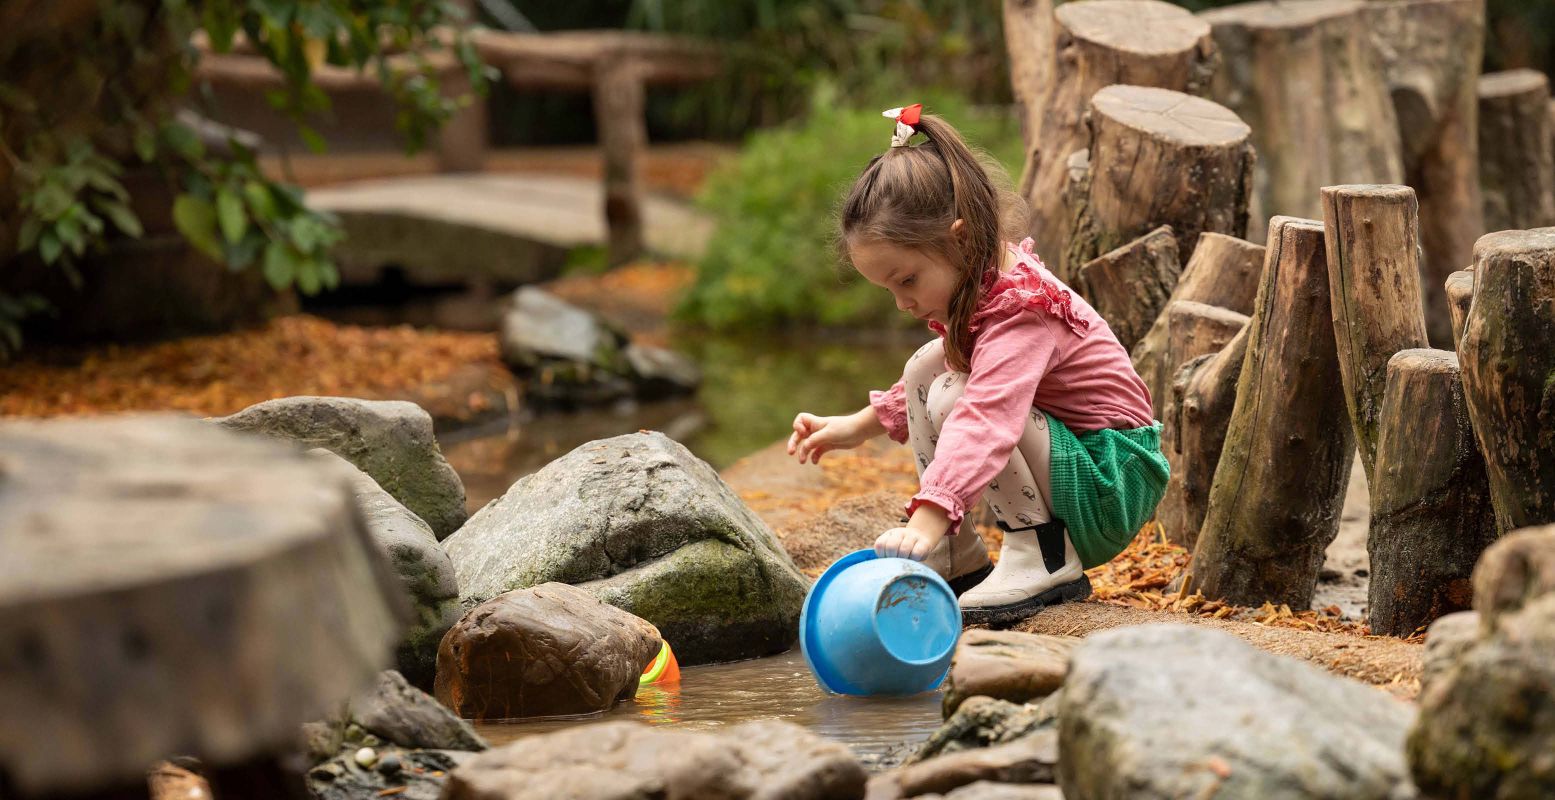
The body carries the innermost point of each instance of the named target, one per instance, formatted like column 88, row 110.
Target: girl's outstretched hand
column 815, row 436
column 906, row 543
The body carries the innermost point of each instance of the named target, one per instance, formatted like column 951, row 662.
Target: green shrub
column 772, row 260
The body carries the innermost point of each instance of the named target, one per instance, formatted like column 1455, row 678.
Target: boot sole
column 1078, row 589
column 961, row 584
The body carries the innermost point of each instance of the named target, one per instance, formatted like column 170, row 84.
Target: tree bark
column 623, row 135
column 1516, row 171
column 1194, row 427
column 1092, row 44
column 1431, row 51
column 1159, row 157
column 1129, row 286
column 1430, row 509
column 1279, row 485
column 1508, row 359
column 1460, row 293
column 1223, row 271
column 1372, row 235
column 462, row 141
column 1307, row 77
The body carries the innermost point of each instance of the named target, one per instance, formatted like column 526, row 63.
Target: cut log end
column 1377, row 192
column 1503, row 245
column 1512, row 83
column 1281, row 14
column 1183, row 120
column 1140, row 27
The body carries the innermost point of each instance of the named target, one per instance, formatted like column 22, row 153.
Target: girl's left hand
column 906, row 543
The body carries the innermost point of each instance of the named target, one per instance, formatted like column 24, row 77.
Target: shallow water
column 880, row 730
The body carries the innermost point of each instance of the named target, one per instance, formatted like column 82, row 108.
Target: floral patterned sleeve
column 891, row 408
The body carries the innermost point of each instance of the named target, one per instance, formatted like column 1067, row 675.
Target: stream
column 751, row 391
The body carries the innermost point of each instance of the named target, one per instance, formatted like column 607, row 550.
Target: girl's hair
column 910, row 196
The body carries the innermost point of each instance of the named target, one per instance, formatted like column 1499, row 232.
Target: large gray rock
column 1448, row 638
column 767, row 759
column 1487, row 715
column 404, row 715
column 1171, row 711
column 553, row 650
column 390, row 440
column 647, row 527
column 423, row 567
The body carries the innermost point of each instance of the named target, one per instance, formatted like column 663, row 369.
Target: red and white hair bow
column 906, row 122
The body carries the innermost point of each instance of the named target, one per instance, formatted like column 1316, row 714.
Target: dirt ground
column 818, row 512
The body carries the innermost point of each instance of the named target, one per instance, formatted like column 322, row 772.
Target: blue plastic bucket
column 879, row 626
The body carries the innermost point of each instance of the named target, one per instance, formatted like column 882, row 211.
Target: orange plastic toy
column 663, row 670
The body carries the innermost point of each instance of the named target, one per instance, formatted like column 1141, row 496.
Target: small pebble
column 390, row 764
column 371, row 741
column 366, row 757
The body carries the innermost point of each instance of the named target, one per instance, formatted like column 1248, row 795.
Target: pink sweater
column 1035, row 344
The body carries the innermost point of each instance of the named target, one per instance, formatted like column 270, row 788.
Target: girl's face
column 921, row 281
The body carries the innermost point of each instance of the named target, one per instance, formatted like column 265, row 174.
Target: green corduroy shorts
column 1105, row 485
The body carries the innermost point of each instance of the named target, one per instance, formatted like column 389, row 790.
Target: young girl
column 1025, row 395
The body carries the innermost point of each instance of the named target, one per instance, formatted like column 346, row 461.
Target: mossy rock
column 649, row 528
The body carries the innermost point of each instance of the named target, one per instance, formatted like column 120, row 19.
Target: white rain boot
column 962, row 560
column 1037, row 568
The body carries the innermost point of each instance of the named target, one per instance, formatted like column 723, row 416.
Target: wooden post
column 1159, row 157
column 1460, row 293
column 1307, row 77
column 1431, row 52
column 1093, row 44
column 623, row 134
column 1430, row 507
column 1274, row 506
column 1223, row 271
column 1372, row 234
column 1508, row 357
column 1516, row 170
column 1129, row 286
column 463, row 140
column 1199, row 407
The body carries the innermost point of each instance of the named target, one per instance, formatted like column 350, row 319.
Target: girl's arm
column 815, row 436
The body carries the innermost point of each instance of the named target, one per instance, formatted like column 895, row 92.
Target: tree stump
column 171, row 588
column 1430, row 508
column 1278, row 488
column 1431, row 52
column 1129, row 286
column 1516, row 166
column 623, row 136
column 1373, row 247
column 1460, row 293
column 1092, row 44
column 1307, row 77
column 1223, row 271
column 1159, row 157
column 1508, row 357
column 1194, row 426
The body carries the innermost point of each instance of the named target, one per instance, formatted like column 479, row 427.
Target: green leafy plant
column 89, row 86
column 772, row 260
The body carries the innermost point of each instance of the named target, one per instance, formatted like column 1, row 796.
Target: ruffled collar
column 1023, row 287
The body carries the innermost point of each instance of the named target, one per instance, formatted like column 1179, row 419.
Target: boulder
column 984, row 722
column 552, row 650
column 647, row 527
column 420, row 562
column 1446, row 641
column 404, row 715
column 391, row 440
column 1007, row 665
column 1519, row 567
column 1170, row 711
column 768, row 759
column 1031, row 759
column 167, row 586
column 571, row 357
column 1487, row 718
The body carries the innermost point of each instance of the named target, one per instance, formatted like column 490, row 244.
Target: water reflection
column 752, row 387
column 879, row 729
